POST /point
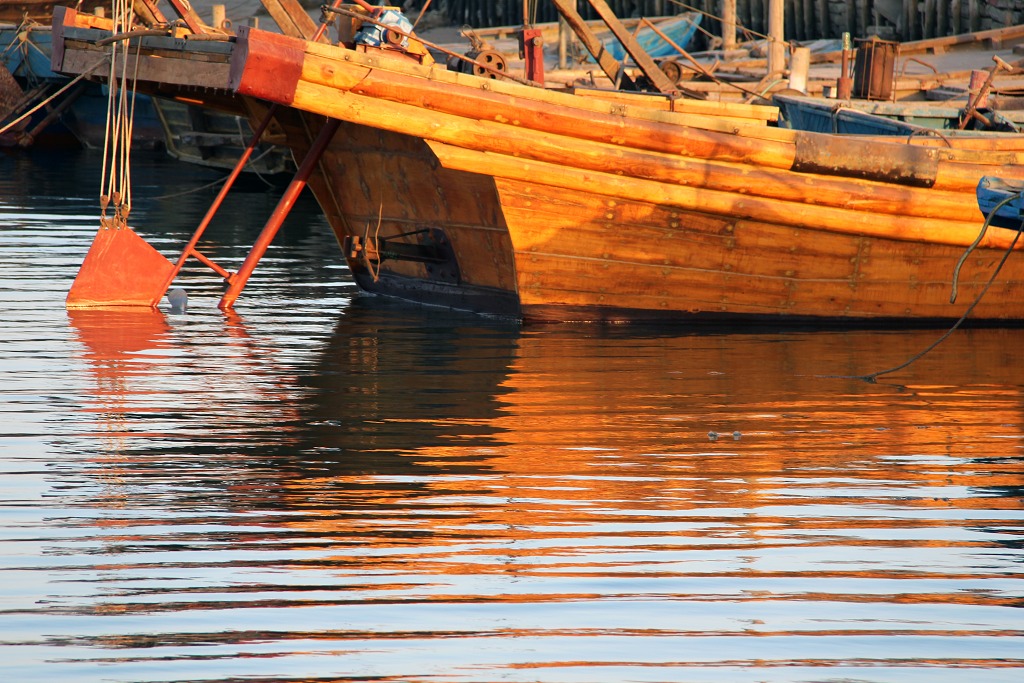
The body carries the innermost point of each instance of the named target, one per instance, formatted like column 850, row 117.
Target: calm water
column 326, row 487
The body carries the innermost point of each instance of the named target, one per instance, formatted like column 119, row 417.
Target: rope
column 701, row 29
column 872, row 377
column 739, row 27
column 117, row 141
column 242, row 136
column 374, row 273
column 974, row 245
column 52, row 97
column 929, row 131
column 218, row 181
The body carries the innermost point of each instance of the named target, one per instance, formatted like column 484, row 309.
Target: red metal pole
column 189, row 249
column 228, row 184
column 287, row 201
column 323, row 25
column 367, row 6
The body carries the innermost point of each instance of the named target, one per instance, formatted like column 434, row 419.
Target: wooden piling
column 729, row 24
column 799, row 65
column 776, row 37
column 219, row 17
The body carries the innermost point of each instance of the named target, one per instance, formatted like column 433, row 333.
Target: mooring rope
column 218, row 181
column 872, row 377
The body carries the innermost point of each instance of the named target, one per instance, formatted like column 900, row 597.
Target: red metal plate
column 121, row 269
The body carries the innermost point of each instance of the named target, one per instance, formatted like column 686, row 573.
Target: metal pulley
column 485, row 63
column 672, row 70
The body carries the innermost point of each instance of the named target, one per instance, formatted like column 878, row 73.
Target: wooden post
column 928, row 25
column 909, row 19
column 728, row 24
column 776, row 36
column 563, row 44
column 973, row 15
column 219, row 16
column 799, row 65
column 954, row 19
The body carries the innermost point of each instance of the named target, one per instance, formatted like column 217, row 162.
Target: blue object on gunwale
column 993, row 192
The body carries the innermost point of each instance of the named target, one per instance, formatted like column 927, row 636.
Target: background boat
column 212, row 138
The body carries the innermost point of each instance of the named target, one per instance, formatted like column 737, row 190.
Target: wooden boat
column 215, row 139
column 505, row 198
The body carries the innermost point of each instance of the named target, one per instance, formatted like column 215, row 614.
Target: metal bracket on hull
column 431, row 248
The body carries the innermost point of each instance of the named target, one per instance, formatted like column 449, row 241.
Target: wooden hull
column 506, row 199
column 549, row 253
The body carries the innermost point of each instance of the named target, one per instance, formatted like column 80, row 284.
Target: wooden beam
column 643, row 60
column 611, row 66
column 188, row 15
column 291, row 18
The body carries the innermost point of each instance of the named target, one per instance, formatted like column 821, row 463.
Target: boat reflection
column 402, row 391
column 523, row 496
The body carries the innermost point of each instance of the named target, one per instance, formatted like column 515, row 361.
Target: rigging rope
column 115, row 180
